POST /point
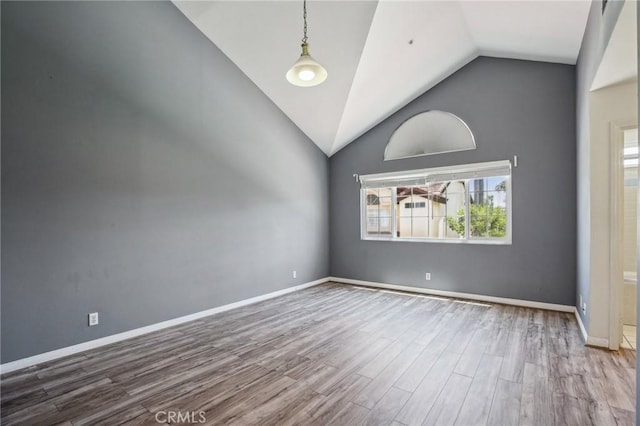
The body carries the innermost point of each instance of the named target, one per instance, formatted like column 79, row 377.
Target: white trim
column 477, row 168
column 616, row 198
column 590, row 340
column 464, row 172
column 583, row 331
column 92, row 344
column 475, row 240
column 598, row 342
column 455, row 294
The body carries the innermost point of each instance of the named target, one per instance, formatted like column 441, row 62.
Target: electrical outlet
column 427, row 276
column 93, row 319
column 584, row 308
column 295, row 274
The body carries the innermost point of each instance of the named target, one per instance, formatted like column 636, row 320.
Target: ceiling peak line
column 375, row 71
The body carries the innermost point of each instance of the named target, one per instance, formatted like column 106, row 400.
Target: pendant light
column 306, row 72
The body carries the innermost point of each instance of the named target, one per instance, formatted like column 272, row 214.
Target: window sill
column 487, row 241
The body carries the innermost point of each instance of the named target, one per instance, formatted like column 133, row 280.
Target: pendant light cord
column 304, row 16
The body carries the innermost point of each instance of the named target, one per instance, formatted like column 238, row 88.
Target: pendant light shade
column 306, row 72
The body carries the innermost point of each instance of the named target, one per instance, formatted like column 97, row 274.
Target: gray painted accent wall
column 143, row 176
column 597, row 34
column 513, row 108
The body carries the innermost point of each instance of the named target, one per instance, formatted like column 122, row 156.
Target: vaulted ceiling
column 380, row 55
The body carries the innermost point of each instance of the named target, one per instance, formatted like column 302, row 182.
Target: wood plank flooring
column 339, row 355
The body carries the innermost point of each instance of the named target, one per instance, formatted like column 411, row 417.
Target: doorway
column 613, row 115
column 627, row 140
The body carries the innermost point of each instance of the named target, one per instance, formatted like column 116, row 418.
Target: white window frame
column 466, row 172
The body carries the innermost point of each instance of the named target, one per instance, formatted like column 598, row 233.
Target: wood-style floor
column 341, row 355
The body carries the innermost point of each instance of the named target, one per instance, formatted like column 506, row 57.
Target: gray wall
column 596, row 36
column 514, row 108
column 143, row 176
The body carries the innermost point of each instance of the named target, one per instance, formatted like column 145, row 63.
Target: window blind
column 438, row 174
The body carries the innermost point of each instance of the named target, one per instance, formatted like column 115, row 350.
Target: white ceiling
column 364, row 45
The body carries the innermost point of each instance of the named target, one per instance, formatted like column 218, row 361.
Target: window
column 378, row 211
column 414, row 205
column 463, row 204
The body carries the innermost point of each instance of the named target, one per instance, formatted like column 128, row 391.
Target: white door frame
column 616, row 223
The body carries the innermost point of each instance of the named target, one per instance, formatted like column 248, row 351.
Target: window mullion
column 394, row 212
column 412, row 212
column 467, row 220
column 363, row 214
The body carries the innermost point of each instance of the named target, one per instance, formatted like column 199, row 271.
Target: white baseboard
column 590, row 340
column 598, row 341
column 455, row 294
column 583, row 331
column 92, row 344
